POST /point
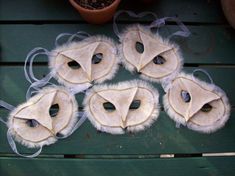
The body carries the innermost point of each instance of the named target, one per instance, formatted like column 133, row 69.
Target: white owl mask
column 78, row 65
column 156, row 60
column 127, row 106
column 95, row 60
column 147, row 53
column 49, row 115
column 200, row 106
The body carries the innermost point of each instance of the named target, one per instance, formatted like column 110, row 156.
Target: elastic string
column 184, row 32
column 80, row 35
column 6, row 106
column 14, row 148
column 38, row 84
column 29, row 75
column 76, row 126
column 205, row 72
column 42, row 82
column 35, row 83
column 131, row 14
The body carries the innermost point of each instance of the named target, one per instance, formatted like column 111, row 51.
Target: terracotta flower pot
column 98, row 16
column 228, row 7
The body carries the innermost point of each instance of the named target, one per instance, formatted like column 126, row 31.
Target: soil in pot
column 94, row 4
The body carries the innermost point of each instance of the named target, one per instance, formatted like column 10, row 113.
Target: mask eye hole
column 74, row 65
column 159, row 60
column 185, row 96
column 135, row 104
column 97, row 58
column 54, row 109
column 206, row 108
column 59, row 135
column 32, row 123
column 109, row 107
column 139, row 47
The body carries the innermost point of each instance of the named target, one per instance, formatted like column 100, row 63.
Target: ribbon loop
column 131, row 14
column 205, row 72
column 184, row 32
column 77, row 125
column 29, row 75
column 80, row 35
column 6, row 106
column 14, row 148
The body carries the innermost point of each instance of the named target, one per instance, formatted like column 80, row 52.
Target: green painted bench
column 162, row 149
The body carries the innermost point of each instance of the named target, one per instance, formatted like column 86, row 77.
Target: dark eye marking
column 74, row 65
column 139, row 47
column 159, row 60
column 135, row 104
column 109, row 106
column 59, row 135
column 32, row 123
column 54, row 109
column 97, row 58
column 185, row 96
column 206, row 108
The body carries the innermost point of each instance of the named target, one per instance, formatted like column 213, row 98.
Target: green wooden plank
column 191, row 11
column 104, row 167
column 206, row 45
column 10, row 76
column 162, row 137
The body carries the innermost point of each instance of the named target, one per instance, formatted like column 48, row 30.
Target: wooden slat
column 10, row 76
column 215, row 166
column 206, row 45
column 162, row 137
column 190, row 11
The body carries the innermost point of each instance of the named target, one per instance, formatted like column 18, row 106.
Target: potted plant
column 228, row 7
column 96, row 11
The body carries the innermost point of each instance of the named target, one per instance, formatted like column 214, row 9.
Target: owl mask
column 127, row 106
column 81, row 63
column 50, row 114
column 77, row 64
column 147, row 53
column 200, row 106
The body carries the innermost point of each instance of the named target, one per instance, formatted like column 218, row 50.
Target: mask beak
column 89, row 76
column 123, row 124
column 138, row 68
column 48, row 126
column 188, row 116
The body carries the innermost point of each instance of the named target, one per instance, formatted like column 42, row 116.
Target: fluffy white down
column 203, row 129
column 51, row 139
column 122, row 85
column 131, row 67
column 83, row 86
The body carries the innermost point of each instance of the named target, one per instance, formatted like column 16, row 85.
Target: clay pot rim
column 76, row 5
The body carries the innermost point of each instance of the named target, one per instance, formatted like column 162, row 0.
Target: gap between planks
column 133, row 156
column 217, row 65
column 129, row 21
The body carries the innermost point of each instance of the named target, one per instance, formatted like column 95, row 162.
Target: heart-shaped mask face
column 149, row 54
column 49, row 114
column 202, row 107
column 127, row 105
column 78, row 64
